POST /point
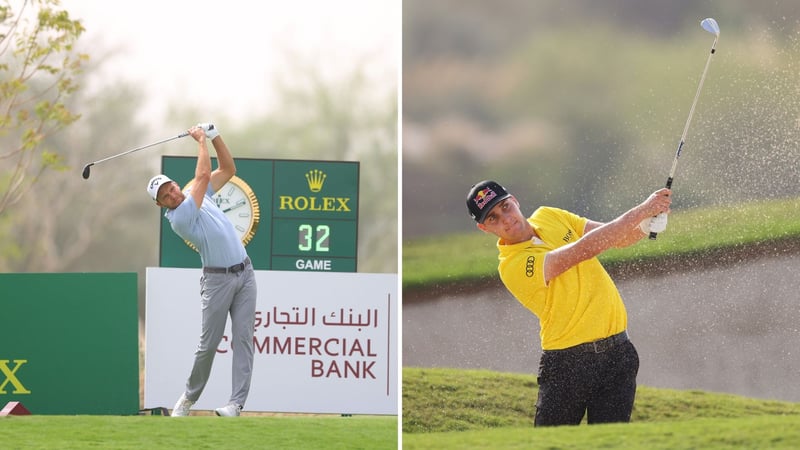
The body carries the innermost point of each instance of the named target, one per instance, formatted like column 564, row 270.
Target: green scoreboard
column 290, row 214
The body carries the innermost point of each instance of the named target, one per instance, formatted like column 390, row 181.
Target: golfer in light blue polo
column 228, row 284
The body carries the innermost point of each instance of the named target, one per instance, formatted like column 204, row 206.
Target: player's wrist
column 644, row 225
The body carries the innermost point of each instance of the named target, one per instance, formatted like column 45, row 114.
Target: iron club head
column 710, row 25
column 86, row 171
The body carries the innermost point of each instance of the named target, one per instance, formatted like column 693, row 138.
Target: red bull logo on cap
column 483, row 197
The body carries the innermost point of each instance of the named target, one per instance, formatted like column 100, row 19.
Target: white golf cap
column 155, row 183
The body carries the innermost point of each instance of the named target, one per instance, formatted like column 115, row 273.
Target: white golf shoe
column 182, row 406
column 229, row 410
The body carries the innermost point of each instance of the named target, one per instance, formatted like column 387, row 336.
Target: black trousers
column 599, row 382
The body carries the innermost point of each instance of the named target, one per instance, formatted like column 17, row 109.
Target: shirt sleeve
column 523, row 275
column 570, row 220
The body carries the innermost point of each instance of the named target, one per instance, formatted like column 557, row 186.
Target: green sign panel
column 69, row 342
column 291, row 214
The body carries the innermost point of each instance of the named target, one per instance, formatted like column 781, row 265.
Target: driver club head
column 710, row 25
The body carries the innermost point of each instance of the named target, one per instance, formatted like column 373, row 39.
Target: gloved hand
column 658, row 223
column 655, row 224
column 210, row 129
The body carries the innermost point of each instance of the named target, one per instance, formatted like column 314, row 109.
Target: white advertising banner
column 324, row 342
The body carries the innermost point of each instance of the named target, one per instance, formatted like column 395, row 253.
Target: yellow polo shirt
column 580, row 305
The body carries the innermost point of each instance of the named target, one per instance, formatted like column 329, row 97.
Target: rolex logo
column 315, row 178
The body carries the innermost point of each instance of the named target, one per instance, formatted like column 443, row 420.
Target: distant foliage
column 581, row 105
column 38, row 65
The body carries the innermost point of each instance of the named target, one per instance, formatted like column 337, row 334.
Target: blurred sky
column 226, row 55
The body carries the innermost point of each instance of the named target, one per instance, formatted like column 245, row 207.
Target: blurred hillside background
column 308, row 80
column 580, row 104
column 280, row 87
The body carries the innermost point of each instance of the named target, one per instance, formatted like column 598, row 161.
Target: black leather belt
column 236, row 268
column 599, row 346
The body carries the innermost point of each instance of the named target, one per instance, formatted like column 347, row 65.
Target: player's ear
column 482, row 227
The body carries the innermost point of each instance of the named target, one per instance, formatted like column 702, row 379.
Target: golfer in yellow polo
column 548, row 261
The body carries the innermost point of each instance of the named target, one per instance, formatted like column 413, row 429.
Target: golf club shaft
column 184, row 134
column 688, row 122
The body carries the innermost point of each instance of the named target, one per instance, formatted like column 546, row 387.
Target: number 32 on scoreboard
column 314, row 238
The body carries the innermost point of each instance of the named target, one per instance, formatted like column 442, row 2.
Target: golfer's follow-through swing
column 227, row 284
column 549, row 262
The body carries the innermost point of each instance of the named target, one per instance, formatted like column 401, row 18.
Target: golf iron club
column 87, row 168
column 711, row 26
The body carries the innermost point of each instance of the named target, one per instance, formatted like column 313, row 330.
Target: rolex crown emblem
column 315, row 178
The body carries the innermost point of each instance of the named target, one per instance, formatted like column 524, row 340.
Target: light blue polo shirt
column 209, row 230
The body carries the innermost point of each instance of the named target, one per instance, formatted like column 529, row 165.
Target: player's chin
column 517, row 227
column 513, row 233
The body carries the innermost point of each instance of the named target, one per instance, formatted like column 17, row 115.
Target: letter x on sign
column 11, row 377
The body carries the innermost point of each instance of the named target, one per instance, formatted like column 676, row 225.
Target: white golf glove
column 658, row 223
column 210, row 129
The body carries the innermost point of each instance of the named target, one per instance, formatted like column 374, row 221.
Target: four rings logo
column 529, row 266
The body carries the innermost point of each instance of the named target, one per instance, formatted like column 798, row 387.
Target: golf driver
column 86, row 169
column 711, row 26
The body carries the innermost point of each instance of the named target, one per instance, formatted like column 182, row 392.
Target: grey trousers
column 221, row 294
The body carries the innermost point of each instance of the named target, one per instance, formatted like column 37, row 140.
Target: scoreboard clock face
column 298, row 215
column 239, row 203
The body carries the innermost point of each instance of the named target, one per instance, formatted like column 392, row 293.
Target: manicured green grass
column 471, row 257
column 764, row 432
column 450, row 408
column 204, row 432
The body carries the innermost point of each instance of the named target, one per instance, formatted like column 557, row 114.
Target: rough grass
column 451, row 408
column 759, row 432
column 436, row 400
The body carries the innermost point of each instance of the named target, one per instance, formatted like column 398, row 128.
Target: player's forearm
column 599, row 239
column 631, row 231
column 203, row 169
column 226, row 168
column 224, row 157
column 616, row 233
column 633, row 236
column 628, row 231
